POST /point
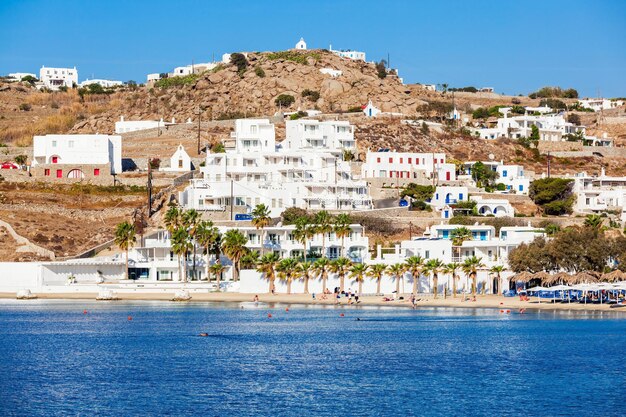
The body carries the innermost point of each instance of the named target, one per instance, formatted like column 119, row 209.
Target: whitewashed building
column 600, row 194
column 179, row 161
column 301, row 45
column 54, row 78
column 17, row 76
column 512, row 176
column 350, row 54
column 329, row 136
column 125, row 126
column 257, row 172
column 598, row 104
column 407, row 165
column 370, row 110
column 103, row 83
column 551, row 127
column 446, row 195
column 76, row 156
column 332, row 72
column 497, row 207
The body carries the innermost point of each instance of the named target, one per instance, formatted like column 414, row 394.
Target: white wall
column 15, row 276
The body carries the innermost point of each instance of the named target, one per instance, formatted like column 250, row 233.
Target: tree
column 381, row 69
column 497, row 270
column 240, row 61
column 534, row 134
column 321, row 267
column 267, row 266
column 293, row 214
column 234, row 246
column 206, row 235
column 181, row 245
column 173, row 219
column 553, row 195
column 451, row 269
column 310, row 94
column 397, row 272
column 20, row 159
column 594, row 221
column 342, row 229
column 418, row 192
column 377, row 271
column 323, row 224
column 284, row 100
column 125, row 239
column 304, row 271
column 250, row 260
column 434, row 267
column 470, row 267
column 191, row 220
column 217, row 269
column 340, row 266
column 261, row 219
column 414, row 266
column 574, row 118
column 287, row 271
column 483, row 175
column 358, row 272
column 458, row 236
column 29, row 79
column 304, row 231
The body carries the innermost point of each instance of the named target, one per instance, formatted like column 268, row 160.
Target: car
column 9, row 165
column 403, row 203
column 243, row 217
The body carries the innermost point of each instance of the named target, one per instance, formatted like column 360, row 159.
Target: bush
column 218, row 148
column 176, row 81
column 355, row 109
column 381, row 69
column 418, row 192
column 240, row 61
column 553, row 103
column 21, row 159
column 311, row 95
column 25, row 107
column 292, row 214
column 574, row 118
column 155, row 163
column 420, row 205
column 500, row 187
column 297, row 115
column 546, row 92
column 553, row 195
column 29, row 79
column 298, row 57
column 469, row 89
column 284, row 100
column 259, row 72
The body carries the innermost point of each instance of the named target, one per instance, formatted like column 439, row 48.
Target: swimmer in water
column 204, row 334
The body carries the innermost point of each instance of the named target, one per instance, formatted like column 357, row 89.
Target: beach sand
column 425, row 300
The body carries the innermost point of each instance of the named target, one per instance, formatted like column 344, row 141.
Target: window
column 378, row 160
column 427, row 254
column 504, row 173
column 587, row 200
column 461, row 196
column 410, row 160
column 180, row 163
column 54, row 143
column 46, row 172
column 253, row 129
column 391, row 160
column 55, row 159
column 521, row 187
column 96, row 172
column 71, row 144
column 401, row 160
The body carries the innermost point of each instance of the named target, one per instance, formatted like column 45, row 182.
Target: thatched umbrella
column 583, row 277
column 558, row 277
column 542, row 275
column 523, row 276
column 614, row 276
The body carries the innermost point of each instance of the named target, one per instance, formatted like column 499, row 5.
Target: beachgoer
column 256, row 298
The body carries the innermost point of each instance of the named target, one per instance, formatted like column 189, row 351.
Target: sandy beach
column 425, row 300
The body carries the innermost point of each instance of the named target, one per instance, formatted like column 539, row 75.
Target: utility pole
column 198, row 130
column 548, row 164
column 149, row 189
column 232, row 203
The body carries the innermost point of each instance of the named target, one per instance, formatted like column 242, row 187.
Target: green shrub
column 298, row 57
column 240, row 61
column 311, row 95
column 500, row 187
column 176, row 81
column 259, row 72
column 355, row 109
column 420, row 205
column 25, row 107
column 553, row 195
column 284, row 100
column 297, row 115
column 418, row 192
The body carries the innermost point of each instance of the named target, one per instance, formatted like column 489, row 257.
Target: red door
column 59, row 173
column 448, row 176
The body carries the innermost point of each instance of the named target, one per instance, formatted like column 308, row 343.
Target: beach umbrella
column 614, row 276
column 584, row 277
column 523, row 276
column 537, row 289
column 543, row 276
column 561, row 288
column 558, row 277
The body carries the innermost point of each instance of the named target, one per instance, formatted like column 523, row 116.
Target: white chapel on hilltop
column 301, row 44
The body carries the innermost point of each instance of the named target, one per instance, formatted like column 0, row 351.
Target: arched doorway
column 76, row 174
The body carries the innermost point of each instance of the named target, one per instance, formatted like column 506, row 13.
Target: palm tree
column 267, row 266
column 377, row 271
column 414, row 265
column 321, row 267
column 358, row 272
column 250, row 260
column 206, row 235
column 261, row 219
column 125, row 238
column 396, row 271
column 434, row 267
column 451, row 269
column 191, row 220
column 323, row 225
column 304, row 231
column 458, row 236
column 173, row 219
column 234, row 246
column 342, row 229
column 287, row 271
column 594, row 221
column 217, row 269
column 340, row 266
column 181, row 245
column 497, row 269
column 304, row 270
column 470, row 267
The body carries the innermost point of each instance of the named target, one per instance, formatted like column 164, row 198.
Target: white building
column 332, row 72
column 350, row 54
column 497, row 207
column 600, row 194
column 125, row 126
column 370, row 110
column 256, row 172
column 407, row 165
column 301, row 45
column 17, row 76
column 179, row 161
column 54, row 78
column 551, row 127
column 446, row 195
column 103, row 83
column 62, row 156
column 512, row 176
column 329, row 136
column 598, row 104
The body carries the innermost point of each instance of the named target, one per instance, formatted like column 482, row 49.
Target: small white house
column 55, row 78
column 18, row 76
column 301, row 45
column 497, row 207
column 350, row 54
column 180, row 161
column 598, row 104
column 446, row 195
column 103, row 83
column 332, row 72
column 370, row 110
column 125, row 126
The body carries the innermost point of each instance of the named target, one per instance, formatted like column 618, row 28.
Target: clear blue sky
column 513, row 46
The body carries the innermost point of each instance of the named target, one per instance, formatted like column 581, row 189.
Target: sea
column 78, row 358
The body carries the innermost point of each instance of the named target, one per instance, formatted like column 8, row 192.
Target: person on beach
column 256, row 298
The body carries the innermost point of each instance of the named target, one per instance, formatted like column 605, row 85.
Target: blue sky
column 513, row 46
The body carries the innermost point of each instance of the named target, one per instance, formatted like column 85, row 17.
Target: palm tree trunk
column 185, row 267
column 435, row 283
column 341, row 282
column 474, row 284
column 342, row 247
column 414, row 283
column 454, row 285
column 180, row 273
column 324, row 278
column 262, row 241
column 288, row 285
column 323, row 245
column 361, row 285
column 397, row 285
column 193, row 269
column 217, row 278
column 306, row 284
column 445, row 289
column 208, row 275
column 378, row 285
column 305, row 239
column 126, row 264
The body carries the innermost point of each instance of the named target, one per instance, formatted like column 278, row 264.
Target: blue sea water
column 309, row 361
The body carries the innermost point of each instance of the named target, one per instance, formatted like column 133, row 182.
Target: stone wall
column 103, row 178
column 548, row 146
